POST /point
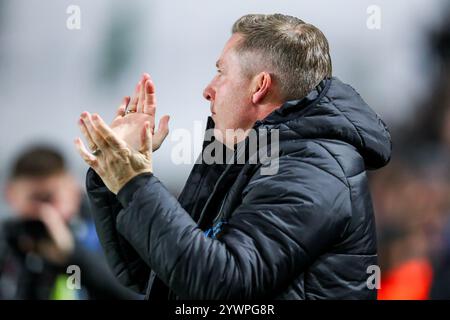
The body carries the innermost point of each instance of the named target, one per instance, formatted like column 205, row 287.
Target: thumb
column 161, row 134
column 163, row 127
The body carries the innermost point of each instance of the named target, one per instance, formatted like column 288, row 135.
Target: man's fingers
column 121, row 112
column 140, row 106
column 90, row 159
column 134, row 102
column 150, row 98
column 107, row 133
column 91, row 129
column 164, row 123
column 163, row 126
column 123, row 106
column 161, row 134
column 90, row 141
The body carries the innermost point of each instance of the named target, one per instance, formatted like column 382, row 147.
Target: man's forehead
column 233, row 41
column 229, row 47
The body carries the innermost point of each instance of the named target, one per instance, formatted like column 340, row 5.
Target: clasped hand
column 123, row 150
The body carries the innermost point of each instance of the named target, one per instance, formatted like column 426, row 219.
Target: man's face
column 230, row 92
column 26, row 195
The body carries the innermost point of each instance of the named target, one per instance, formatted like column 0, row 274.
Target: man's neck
column 268, row 109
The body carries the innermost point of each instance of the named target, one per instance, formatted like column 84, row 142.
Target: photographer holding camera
column 49, row 231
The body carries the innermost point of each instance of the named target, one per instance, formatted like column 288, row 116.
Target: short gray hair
column 297, row 53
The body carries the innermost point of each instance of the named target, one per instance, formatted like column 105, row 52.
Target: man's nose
column 208, row 93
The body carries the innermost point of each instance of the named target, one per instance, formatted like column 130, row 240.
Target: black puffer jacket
column 307, row 232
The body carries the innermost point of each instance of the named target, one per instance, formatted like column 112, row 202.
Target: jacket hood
column 334, row 110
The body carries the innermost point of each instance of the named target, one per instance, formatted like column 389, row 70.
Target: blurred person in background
column 49, row 231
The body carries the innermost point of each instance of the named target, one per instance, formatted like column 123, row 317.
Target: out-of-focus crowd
column 412, row 194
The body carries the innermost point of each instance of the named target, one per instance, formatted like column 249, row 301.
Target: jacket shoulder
column 336, row 158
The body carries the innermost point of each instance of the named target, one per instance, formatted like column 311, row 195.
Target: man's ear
column 262, row 85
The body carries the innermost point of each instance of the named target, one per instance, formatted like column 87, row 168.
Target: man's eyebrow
column 218, row 63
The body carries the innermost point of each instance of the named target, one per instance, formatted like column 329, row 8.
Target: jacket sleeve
column 284, row 222
column 97, row 277
column 127, row 266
